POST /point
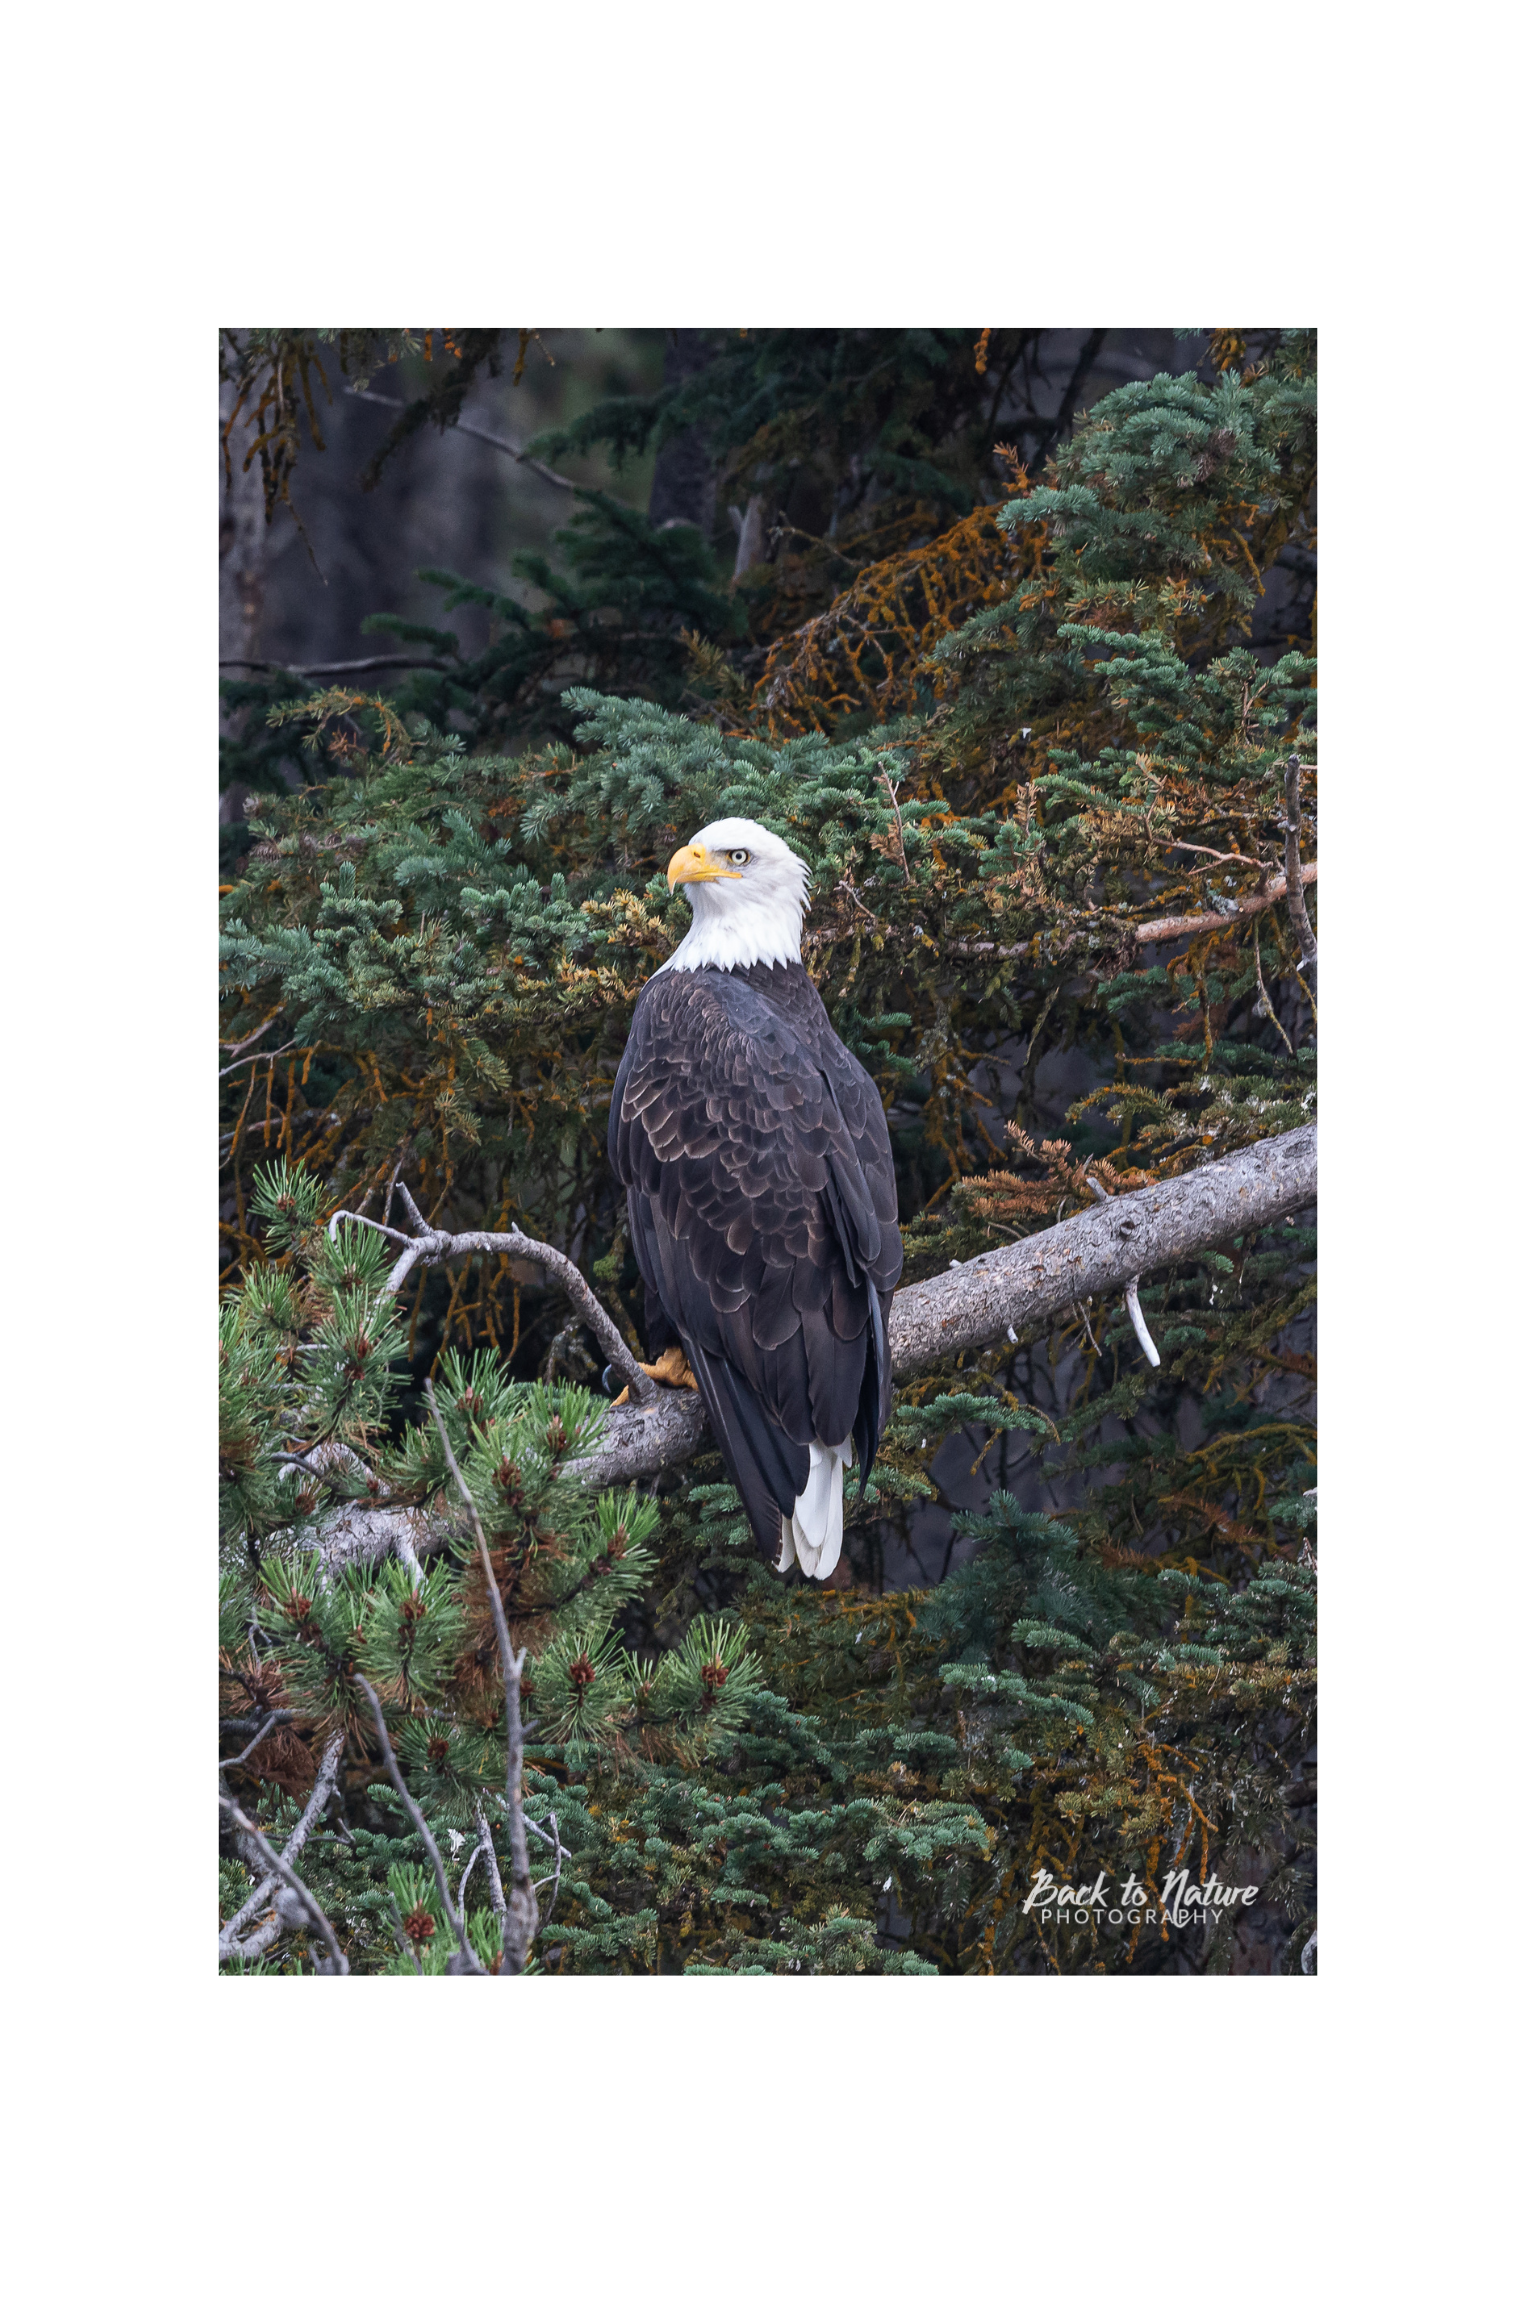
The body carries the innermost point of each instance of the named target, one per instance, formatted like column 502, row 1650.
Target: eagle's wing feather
column 762, row 1200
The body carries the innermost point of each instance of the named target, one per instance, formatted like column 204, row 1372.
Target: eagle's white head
column 748, row 893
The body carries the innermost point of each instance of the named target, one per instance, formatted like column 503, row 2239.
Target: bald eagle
column 754, row 1154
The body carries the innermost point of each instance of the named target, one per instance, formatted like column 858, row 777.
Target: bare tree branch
column 900, row 828
column 1098, row 1252
column 291, row 1881
column 262, row 1056
column 550, row 1839
column 475, row 432
column 432, row 1247
column 1145, row 932
column 635, row 1446
column 282, row 1867
column 1264, row 999
column 1200, row 923
column 238, row 1047
column 271, row 1721
column 1139, row 1323
column 1221, row 855
column 1295, row 872
column 1139, row 1326
column 520, row 1921
column 498, row 1895
column 559, row 1853
column 324, row 1786
column 973, row 1306
column 1092, row 347
column 334, row 671
column 435, row 1853
column 475, row 1855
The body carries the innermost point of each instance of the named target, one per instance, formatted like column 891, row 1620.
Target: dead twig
column 498, row 1894
column 262, row 1056
column 852, row 894
column 1295, row 874
column 1138, row 1322
column 240, row 1758
column 901, row 830
column 285, row 1872
column 466, row 1952
column 475, row 1855
column 1264, row 1000
column 1221, row 855
column 520, row 1923
column 505, row 447
column 555, row 1875
column 334, row 671
column 237, row 1047
column 1201, row 923
column 324, row 1786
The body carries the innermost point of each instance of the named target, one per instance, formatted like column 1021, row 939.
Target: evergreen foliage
column 1006, row 737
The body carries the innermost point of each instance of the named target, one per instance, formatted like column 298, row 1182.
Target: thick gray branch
column 1101, row 1251
column 639, row 1441
column 973, row 1306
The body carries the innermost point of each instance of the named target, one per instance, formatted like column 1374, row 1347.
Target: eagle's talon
column 671, row 1370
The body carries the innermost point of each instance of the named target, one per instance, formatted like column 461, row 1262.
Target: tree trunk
column 242, row 569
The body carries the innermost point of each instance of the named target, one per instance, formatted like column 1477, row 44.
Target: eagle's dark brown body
column 762, row 1207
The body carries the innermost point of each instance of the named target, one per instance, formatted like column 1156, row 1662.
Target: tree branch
column 237, row 1047
column 1063, row 416
column 1098, row 1252
column 498, row 1894
column 1199, row 923
column 1144, row 932
column 262, row 1056
column 974, row 1306
column 284, row 1871
column 555, row 1875
column 325, row 1785
column 475, row 432
column 978, row 1305
column 430, row 1247
column 520, row 1919
column 239, row 1759
column 332, row 671
column 475, row 1855
column 466, row 1952
column 1295, row 874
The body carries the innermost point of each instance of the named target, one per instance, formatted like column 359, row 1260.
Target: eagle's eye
column 739, row 855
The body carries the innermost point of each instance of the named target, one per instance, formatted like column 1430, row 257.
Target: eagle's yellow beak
column 696, row 863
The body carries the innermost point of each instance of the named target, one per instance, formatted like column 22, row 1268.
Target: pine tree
column 1049, row 807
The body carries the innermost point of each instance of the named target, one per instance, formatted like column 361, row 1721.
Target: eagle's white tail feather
column 814, row 1535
